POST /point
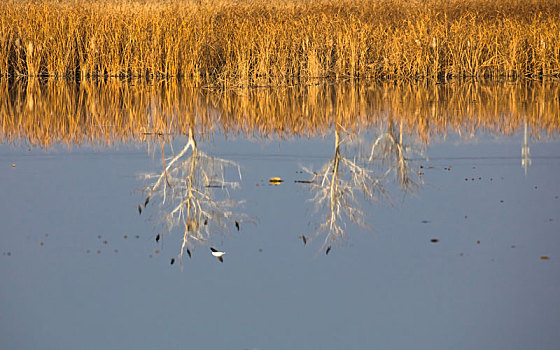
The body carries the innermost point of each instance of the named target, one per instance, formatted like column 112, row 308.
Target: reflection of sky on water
column 389, row 287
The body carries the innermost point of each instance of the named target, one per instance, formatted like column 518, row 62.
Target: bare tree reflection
column 337, row 186
column 194, row 194
column 394, row 155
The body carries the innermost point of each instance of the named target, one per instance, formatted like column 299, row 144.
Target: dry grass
column 260, row 42
column 99, row 113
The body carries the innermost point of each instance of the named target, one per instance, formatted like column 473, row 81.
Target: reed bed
column 279, row 42
column 105, row 113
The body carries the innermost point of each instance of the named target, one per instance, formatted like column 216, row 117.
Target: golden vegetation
column 260, row 42
column 99, row 112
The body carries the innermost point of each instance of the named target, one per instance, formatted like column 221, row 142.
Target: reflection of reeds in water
column 258, row 42
column 107, row 112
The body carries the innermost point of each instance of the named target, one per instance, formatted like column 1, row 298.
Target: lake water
column 438, row 206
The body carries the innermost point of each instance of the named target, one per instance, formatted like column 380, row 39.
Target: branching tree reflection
column 194, row 194
column 394, row 155
column 337, row 186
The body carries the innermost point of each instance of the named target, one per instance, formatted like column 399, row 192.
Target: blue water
column 482, row 285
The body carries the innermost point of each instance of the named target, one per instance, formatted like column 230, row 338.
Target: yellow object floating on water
column 275, row 180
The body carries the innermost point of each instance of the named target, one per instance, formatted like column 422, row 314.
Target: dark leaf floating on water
column 188, row 252
column 237, row 225
column 205, row 222
column 139, row 209
column 328, row 250
column 544, row 257
column 172, row 261
column 304, row 239
column 425, row 221
column 157, row 238
column 147, row 201
column 434, row 240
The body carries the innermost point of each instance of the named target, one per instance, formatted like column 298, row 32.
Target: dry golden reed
column 103, row 113
column 276, row 42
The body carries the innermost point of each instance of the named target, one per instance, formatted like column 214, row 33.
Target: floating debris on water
column 146, row 201
column 304, row 239
column 303, row 181
column 42, row 244
column 99, row 236
column 98, row 251
column 237, row 225
column 139, row 209
column 156, row 251
column 425, row 221
column 477, row 242
column 434, row 240
column 105, row 242
column 328, row 250
column 116, row 250
column 157, row 238
column 13, row 165
column 501, row 200
column 544, row 257
column 172, row 261
column 275, row 180
column 125, row 236
column 188, row 252
column 137, row 236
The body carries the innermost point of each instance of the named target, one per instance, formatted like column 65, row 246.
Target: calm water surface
column 438, row 205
